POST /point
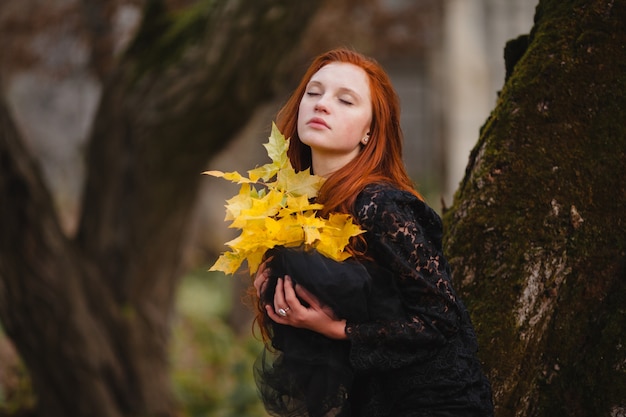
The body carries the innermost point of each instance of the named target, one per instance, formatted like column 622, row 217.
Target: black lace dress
column 411, row 348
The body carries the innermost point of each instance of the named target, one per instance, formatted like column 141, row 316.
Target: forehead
column 343, row 75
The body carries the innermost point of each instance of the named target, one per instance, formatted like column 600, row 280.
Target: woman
column 399, row 339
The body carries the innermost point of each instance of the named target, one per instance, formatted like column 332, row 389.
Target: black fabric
column 305, row 373
column 411, row 347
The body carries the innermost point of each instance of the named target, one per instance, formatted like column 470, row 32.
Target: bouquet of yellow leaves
column 273, row 208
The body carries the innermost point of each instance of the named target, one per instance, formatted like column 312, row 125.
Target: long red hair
column 379, row 161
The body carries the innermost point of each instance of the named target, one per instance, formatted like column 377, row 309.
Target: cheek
column 359, row 126
column 301, row 116
column 351, row 134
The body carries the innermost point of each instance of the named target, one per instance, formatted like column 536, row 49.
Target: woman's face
column 335, row 114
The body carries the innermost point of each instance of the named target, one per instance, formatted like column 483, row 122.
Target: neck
column 326, row 164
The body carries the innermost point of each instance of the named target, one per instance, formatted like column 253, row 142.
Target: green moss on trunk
column 537, row 232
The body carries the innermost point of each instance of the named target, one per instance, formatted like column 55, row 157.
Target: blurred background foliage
column 211, row 363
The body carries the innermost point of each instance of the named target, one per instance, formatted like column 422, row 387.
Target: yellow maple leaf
column 238, row 203
column 267, row 205
column 228, row 262
column 290, row 231
column 264, row 172
column 279, row 212
column 299, row 183
column 255, row 258
column 335, row 236
column 277, row 151
column 341, row 228
column 298, row 204
column 277, row 148
column 230, row 176
column 311, row 225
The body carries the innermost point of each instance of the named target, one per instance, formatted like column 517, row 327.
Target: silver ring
column 283, row 311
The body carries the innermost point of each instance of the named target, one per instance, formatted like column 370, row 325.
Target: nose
column 320, row 105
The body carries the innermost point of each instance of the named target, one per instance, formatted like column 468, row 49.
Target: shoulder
column 379, row 197
column 380, row 201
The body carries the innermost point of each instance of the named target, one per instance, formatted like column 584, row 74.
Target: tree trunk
column 537, row 232
column 90, row 315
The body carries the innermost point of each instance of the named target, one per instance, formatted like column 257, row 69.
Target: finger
column 290, row 292
column 279, row 295
column 261, row 290
column 306, row 296
column 265, row 262
column 262, row 275
column 258, row 281
column 314, row 302
column 272, row 315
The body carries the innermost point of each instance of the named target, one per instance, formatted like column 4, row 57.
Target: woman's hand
column 290, row 311
column 262, row 275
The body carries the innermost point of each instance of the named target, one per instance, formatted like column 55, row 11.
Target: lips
column 316, row 121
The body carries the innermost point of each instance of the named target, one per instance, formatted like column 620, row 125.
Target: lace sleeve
column 404, row 235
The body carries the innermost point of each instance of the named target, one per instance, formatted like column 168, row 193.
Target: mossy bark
column 90, row 314
column 537, row 231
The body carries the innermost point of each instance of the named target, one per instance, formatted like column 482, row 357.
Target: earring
column 365, row 139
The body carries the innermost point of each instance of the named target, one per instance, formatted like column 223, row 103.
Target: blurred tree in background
column 90, row 313
column 136, row 96
column 537, row 233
